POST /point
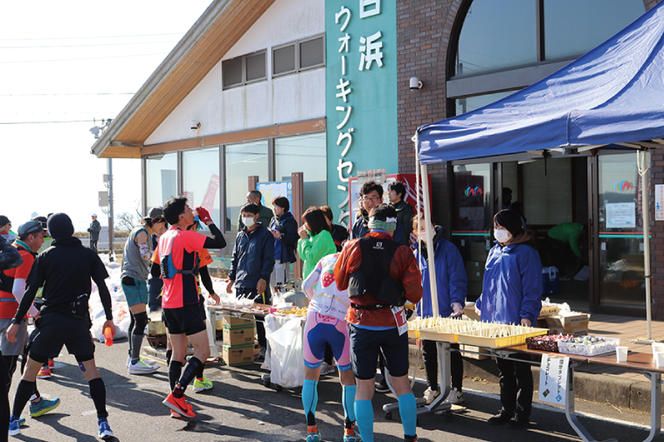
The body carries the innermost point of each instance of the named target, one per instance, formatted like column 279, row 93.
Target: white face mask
column 248, row 221
column 502, row 235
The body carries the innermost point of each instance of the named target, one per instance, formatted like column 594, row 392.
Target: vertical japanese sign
column 361, row 94
column 553, row 379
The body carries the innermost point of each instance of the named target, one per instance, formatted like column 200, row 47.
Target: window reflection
column 304, row 154
column 161, row 179
column 242, row 161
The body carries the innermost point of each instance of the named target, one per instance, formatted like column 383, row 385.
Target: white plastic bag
column 286, row 353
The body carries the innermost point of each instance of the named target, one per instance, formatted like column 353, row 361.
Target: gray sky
column 72, row 62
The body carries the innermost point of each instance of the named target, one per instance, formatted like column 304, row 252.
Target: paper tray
column 498, row 342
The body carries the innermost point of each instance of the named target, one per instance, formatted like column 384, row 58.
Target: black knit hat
column 60, row 226
column 511, row 220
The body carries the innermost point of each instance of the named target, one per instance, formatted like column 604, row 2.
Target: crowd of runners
column 362, row 288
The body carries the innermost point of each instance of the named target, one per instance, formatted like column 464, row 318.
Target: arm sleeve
column 9, row 256
column 142, row 241
column 309, row 284
column 206, row 280
column 155, row 270
column 34, row 281
column 99, row 275
column 457, row 275
column 18, row 290
column 268, row 257
column 410, row 276
column 234, row 260
column 531, row 283
column 218, row 241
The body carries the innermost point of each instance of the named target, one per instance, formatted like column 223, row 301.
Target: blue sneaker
column 104, row 428
column 43, row 406
column 14, row 426
column 21, row 421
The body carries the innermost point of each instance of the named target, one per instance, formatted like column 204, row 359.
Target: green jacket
column 312, row 249
column 569, row 233
column 264, row 217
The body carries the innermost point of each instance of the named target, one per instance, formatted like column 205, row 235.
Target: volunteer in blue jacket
column 452, row 285
column 284, row 230
column 511, row 294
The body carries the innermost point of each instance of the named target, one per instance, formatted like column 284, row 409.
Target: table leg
column 655, row 405
column 212, row 332
column 570, row 413
column 444, row 368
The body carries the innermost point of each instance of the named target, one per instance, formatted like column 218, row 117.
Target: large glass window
column 242, row 161
column 304, row 154
column 497, row 35
column 573, row 27
column 200, row 180
column 161, row 179
column 469, row 104
column 547, row 191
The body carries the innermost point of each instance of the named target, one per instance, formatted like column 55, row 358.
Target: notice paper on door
column 553, row 379
column 620, row 215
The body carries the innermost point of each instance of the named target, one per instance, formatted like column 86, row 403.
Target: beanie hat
column 3, row 220
column 60, row 226
column 511, row 220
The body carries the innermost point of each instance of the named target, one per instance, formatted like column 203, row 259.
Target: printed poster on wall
column 553, row 379
column 620, row 215
column 659, row 202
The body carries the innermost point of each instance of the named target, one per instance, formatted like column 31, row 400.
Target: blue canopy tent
column 613, row 95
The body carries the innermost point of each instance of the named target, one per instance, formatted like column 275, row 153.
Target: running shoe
column 430, row 395
column 203, row 385
column 455, row 397
column 382, row 387
column 21, row 421
column 313, row 437
column 175, row 415
column 179, row 405
column 326, row 369
column 43, row 406
column 351, row 435
column 104, row 428
column 14, row 426
column 51, row 364
column 141, row 367
column 44, row 373
column 145, row 361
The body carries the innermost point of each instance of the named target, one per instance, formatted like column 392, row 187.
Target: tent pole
column 429, row 241
column 418, row 188
column 645, row 211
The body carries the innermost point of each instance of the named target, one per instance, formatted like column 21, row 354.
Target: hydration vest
column 373, row 276
column 167, row 267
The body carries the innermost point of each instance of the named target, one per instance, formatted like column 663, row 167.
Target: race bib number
column 400, row 318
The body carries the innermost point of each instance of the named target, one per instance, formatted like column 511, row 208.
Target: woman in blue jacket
column 284, row 230
column 451, row 284
column 511, row 294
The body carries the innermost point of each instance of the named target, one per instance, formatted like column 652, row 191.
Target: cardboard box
column 577, row 323
column 471, row 352
column 238, row 354
column 549, row 310
column 230, row 321
column 238, row 335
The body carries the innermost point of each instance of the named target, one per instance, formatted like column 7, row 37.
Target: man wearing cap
column 65, row 270
column 94, row 230
column 12, row 289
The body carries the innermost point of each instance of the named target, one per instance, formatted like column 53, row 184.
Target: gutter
column 193, row 36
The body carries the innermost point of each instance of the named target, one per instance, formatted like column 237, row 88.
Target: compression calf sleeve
column 348, row 401
column 310, row 400
column 98, row 395
column 188, row 375
column 22, row 396
column 130, row 331
column 141, row 320
column 199, row 373
column 174, row 372
column 169, row 354
column 365, row 419
column 408, row 412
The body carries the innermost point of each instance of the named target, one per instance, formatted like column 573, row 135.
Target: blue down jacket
column 512, row 286
column 451, row 278
column 253, row 257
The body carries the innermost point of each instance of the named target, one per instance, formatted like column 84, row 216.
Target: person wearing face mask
column 315, row 239
column 451, row 285
column 252, row 264
column 511, row 294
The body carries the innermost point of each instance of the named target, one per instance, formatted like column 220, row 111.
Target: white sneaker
column 141, row 367
column 148, row 362
column 430, row 395
column 455, row 397
column 326, row 368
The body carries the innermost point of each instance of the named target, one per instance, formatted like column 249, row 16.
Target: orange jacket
column 403, row 268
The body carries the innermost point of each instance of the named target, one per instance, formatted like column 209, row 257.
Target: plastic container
column 588, row 345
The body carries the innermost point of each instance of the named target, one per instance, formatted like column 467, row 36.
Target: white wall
column 284, row 99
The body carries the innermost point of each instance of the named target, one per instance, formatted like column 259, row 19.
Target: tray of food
column 588, row 345
column 546, row 342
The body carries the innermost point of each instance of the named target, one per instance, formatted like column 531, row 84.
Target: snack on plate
column 546, row 342
column 588, row 345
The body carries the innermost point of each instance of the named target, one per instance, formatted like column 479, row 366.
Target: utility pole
column 110, row 207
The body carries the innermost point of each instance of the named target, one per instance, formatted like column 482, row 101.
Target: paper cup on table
column 659, row 359
column 657, row 347
column 621, row 354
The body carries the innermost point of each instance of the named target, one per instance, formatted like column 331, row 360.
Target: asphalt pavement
column 240, row 408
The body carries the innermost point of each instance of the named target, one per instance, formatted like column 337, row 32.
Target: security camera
column 195, row 125
column 415, row 83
